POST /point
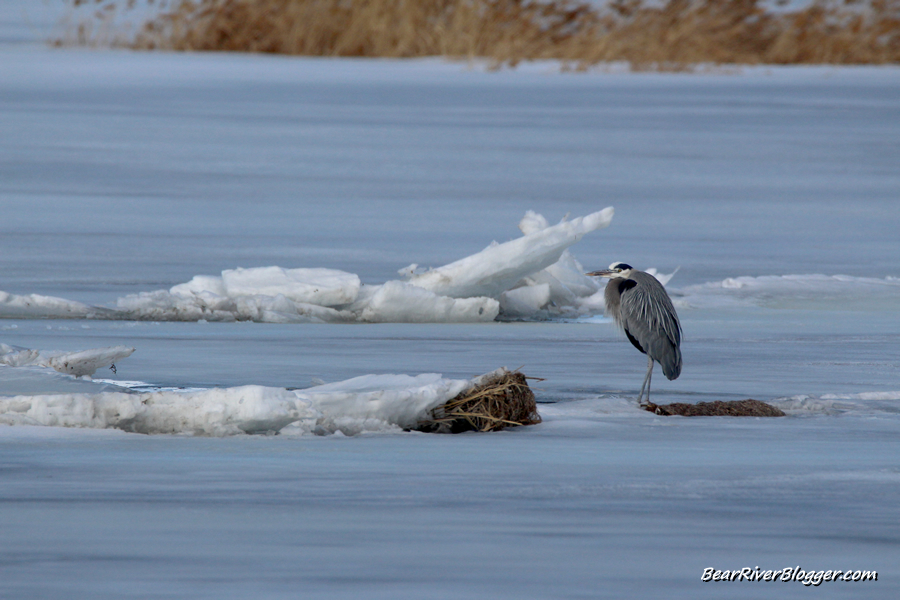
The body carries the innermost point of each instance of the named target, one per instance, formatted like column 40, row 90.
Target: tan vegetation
column 502, row 400
column 660, row 34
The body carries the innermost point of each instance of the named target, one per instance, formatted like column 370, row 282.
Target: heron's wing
column 649, row 317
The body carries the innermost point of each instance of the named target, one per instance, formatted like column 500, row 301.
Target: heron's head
column 617, row 269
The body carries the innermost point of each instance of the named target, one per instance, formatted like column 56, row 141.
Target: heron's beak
column 605, row 273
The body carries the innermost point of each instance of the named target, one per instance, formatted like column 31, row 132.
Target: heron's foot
column 649, row 407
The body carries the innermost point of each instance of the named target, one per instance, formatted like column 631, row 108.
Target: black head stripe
column 622, row 266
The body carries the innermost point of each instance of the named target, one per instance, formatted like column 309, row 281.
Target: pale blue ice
column 125, row 172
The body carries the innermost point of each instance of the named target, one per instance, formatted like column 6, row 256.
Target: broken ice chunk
column 498, row 267
column 323, row 287
column 398, row 400
column 14, row 306
column 524, row 301
column 399, row 302
column 86, row 362
column 200, row 284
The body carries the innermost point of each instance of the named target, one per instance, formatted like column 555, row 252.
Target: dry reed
column 667, row 34
column 500, row 399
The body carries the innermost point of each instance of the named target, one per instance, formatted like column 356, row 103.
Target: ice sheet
column 130, row 172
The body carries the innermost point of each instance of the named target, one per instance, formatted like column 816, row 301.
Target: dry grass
column 664, row 34
column 743, row 32
column 733, row 408
column 502, row 399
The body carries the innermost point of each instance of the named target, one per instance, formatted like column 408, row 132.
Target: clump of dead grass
column 498, row 400
column 683, row 32
column 663, row 34
column 718, row 408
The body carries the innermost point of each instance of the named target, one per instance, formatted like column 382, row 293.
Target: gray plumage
column 639, row 304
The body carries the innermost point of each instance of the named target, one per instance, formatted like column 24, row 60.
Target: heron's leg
column 643, row 387
column 646, row 381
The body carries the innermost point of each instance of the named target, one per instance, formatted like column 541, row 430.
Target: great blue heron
column 640, row 305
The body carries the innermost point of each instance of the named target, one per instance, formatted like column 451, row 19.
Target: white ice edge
column 840, row 292
column 361, row 404
column 837, row 404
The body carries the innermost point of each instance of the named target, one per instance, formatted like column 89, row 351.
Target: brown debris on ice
column 718, row 408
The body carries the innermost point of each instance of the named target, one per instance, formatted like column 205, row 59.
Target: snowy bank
column 531, row 277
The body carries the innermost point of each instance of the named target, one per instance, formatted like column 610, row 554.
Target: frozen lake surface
column 773, row 190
